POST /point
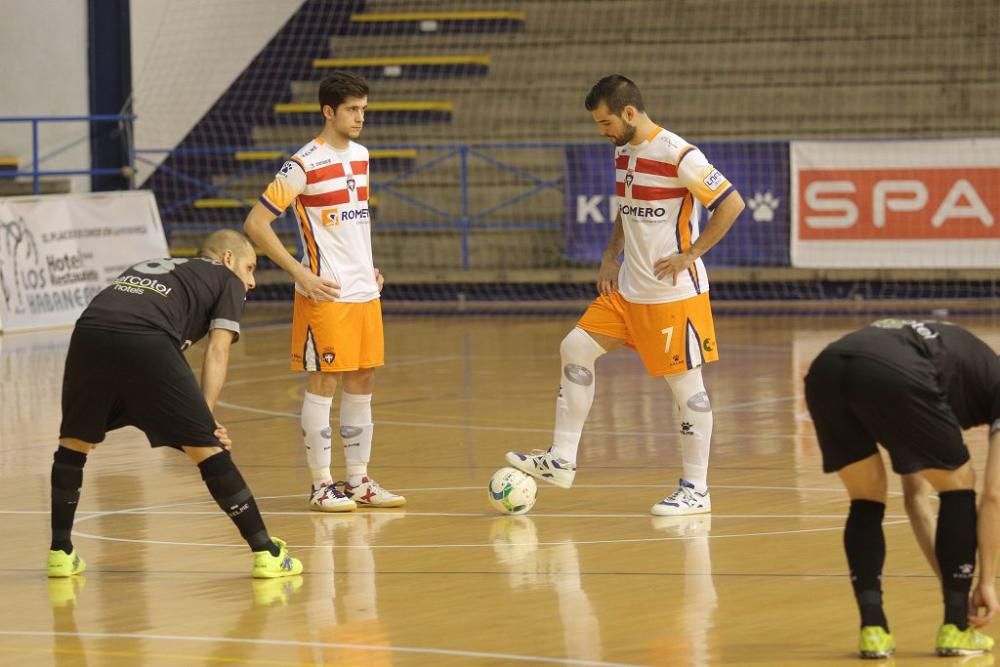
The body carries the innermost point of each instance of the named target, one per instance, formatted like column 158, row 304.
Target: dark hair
column 617, row 92
column 338, row 86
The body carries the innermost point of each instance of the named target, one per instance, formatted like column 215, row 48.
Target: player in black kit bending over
column 913, row 387
column 126, row 367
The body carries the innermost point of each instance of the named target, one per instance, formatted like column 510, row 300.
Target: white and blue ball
column 512, row 491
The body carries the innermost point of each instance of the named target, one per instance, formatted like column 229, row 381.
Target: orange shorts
column 334, row 337
column 670, row 337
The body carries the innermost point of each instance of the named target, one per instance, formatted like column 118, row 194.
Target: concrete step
column 47, row 186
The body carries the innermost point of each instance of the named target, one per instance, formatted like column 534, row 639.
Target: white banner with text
column 896, row 204
column 58, row 251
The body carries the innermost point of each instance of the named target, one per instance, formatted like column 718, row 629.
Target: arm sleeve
column 994, row 376
column 288, row 183
column 228, row 309
column 704, row 181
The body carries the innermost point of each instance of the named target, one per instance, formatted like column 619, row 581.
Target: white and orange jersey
column 329, row 190
column 660, row 184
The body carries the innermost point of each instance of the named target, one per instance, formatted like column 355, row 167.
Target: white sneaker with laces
column 370, row 494
column 544, row 466
column 327, row 498
column 685, row 500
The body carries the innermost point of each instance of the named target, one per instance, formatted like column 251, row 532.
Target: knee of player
column 322, row 384
column 580, row 348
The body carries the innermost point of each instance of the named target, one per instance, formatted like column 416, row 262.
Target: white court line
column 752, row 487
column 478, row 427
column 533, row 515
column 305, row 644
column 425, row 546
column 635, row 540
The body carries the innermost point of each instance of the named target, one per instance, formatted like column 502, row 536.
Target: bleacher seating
column 875, row 79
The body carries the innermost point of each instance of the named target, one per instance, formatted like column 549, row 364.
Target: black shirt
column 180, row 297
column 965, row 368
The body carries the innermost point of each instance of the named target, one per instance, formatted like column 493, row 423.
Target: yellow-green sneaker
column 62, row 564
column 952, row 641
column 266, row 566
column 875, row 642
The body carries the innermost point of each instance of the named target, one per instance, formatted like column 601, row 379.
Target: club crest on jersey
column 629, row 177
column 287, row 168
column 328, row 356
column 350, row 184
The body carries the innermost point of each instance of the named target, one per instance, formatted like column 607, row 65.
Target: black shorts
column 115, row 379
column 856, row 402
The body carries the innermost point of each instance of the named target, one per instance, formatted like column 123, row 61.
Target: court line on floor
column 456, row 653
column 509, row 429
column 631, row 540
column 96, row 515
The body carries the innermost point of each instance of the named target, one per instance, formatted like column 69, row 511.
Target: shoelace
column 331, row 491
column 681, row 493
column 372, row 484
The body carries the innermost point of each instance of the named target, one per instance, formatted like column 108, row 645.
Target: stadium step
column 394, row 113
column 46, row 186
column 410, row 67
column 8, row 166
column 385, row 159
column 435, row 22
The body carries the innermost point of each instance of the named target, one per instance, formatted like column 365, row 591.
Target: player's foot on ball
column 328, row 498
column 370, row 494
column 544, row 466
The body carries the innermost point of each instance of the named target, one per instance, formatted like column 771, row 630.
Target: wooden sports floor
column 587, row 578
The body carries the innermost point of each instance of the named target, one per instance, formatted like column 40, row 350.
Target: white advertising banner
column 57, row 252
column 896, row 204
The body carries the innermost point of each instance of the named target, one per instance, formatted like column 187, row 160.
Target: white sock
column 356, row 434
column 695, row 410
column 316, row 433
column 578, row 352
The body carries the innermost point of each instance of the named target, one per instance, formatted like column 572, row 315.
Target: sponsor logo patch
column 714, row 180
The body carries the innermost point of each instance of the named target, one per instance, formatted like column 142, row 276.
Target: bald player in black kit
column 126, row 367
column 913, row 387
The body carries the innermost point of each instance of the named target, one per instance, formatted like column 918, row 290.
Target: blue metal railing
column 464, row 222
column 36, row 172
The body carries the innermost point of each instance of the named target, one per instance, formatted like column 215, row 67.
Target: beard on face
column 626, row 135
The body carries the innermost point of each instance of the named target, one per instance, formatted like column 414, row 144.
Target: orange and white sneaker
column 328, row 498
column 369, row 494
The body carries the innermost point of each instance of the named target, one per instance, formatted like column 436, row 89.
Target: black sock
column 226, row 485
column 67, row 478
column 955, row 547
column 864, row 543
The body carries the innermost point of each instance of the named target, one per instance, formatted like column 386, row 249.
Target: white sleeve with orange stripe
column 705, row 182
column 288, row 183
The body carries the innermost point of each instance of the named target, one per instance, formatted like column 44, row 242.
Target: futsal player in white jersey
column 337, row 319
column 656, row 301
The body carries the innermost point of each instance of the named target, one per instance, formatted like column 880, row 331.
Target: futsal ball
column 512, row 491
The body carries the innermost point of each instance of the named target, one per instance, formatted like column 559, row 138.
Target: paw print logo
column 763, row 205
